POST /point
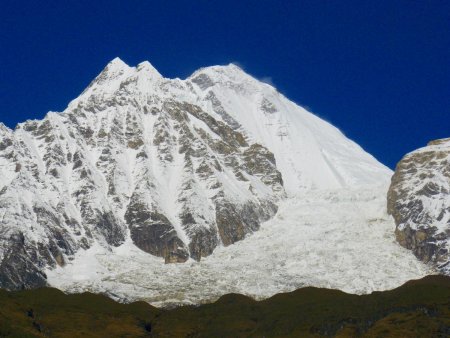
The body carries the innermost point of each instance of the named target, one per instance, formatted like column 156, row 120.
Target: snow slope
column 310, row 152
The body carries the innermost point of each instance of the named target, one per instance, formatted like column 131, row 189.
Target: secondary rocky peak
column 438, row 142
column 114, row 68
column 419, row 200
column 147, row 67
column 4, row 128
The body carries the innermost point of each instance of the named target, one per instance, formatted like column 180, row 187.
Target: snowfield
column 341, row 239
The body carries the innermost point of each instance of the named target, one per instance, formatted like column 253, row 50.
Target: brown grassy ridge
column 419, row 308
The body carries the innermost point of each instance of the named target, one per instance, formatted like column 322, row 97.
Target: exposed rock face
column 132, row 156
column 419, row 200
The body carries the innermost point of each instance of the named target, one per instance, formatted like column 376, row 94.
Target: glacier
column 338, row 238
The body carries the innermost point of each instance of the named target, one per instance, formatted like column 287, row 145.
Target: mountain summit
column 175, row 167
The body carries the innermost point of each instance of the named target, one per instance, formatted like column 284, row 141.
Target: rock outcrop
column 419, row 201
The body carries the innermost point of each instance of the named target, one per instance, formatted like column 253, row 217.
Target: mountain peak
column 148, row 68
column 4, row 128
column 114, row 69
column 116, row 63
column 231, row 67
column 230, row 70
column 234, row 66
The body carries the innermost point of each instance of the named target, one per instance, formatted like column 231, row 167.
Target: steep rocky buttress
column 419, row 200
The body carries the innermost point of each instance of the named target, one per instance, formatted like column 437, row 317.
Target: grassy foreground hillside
column 417, row 309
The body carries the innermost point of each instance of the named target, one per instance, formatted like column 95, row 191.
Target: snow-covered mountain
column 173, row 167
column 419, row 200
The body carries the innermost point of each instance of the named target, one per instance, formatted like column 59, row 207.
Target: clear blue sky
column 378, row 70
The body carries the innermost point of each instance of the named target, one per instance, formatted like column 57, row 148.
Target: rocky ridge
column 419, row 200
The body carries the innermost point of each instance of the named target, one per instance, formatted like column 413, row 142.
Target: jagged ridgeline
column 177, row 167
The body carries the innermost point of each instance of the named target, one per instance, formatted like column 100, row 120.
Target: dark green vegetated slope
column 417, row 309
column 49, row 312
